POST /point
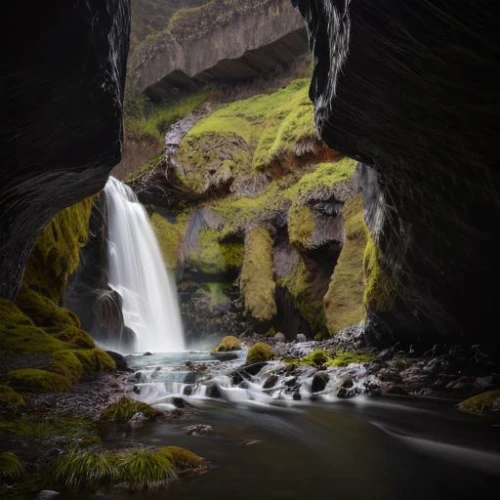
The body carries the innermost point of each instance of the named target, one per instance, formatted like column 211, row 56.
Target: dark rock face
column 409, row 89
column 62, row 91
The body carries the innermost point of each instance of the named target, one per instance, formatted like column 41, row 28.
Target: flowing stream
column 137, row 272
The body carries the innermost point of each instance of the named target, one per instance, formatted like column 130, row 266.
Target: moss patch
column 379, row 292
column 259, row 352
column 95, row 360
column 345, row 358
column 256, row 281
column 124, row 409
column 482, row 403
column 343, row 302
column 169, row 236
column 182, row 459
column 35, row 380
column 9, row 397
column 301, row 224
column 228, row 343
column 316, row 358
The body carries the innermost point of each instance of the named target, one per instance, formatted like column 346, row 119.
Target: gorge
column 264, row 231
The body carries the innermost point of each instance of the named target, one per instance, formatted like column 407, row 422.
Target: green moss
column 66, row 363
column 379, row 292
column 143, row 469
column 72, row 336
column 55, row 255
column 213, row 255
column 316, row 358
column 344, row 358
column 182, row 459
column 84, row 470
column 256, row 280
column 228, row 343
column 259, row 352
column 169, row 236
column 482, row 403
column 95, row 360
column 301, row 225
column 35, row 380
column 11, row 467
column 152, row 124
column 124, row 409
column 10, row 397
column 343, row 302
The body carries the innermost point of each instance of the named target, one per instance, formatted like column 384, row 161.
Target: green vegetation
column 379, row 290
column 482, row 403
column 301, row 225
column 124, row 409
column 316, row 358
column 228, row 343
column 345, row 358
column 78, row 470
column 246, row 136
column 35, row 380
column 169, row 236
column 67, row 364
column 11, row 467
column 256, row 280
column 10, row 397
column 214, row 255
column 259, row 352
column 143, row 469
column 152, row 124
column 343, row 303
column 95, row 360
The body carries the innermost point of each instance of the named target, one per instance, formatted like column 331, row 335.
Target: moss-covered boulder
column 36, row 380
column 183, row 460
column 258, row 353
column 486, row 403
column 228, row 343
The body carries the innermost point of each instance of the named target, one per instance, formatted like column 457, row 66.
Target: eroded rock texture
column 411, row 89
column 61, row 94
column 228, row 41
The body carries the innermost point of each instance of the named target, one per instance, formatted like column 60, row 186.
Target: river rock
column 120, row 361
column 271, row 381
column 200, row 430
column 225, row 355
column 301, row 338
column 47, row 495
column 319, row 381
column 280, row 337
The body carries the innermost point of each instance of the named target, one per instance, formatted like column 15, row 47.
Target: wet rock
column 271, row 381
column 225, row 355
column 301, row 338
column 148, row 354
column 199, row 430
column 435, row 366
column 385, row 355
column 120, row 361
column 213, row 392
column 136, row 389
column 247, row 371
column 297, row 396
column 396, row 390
column 319, row 381
column 280, row 337
column 291, row 382
column 47, row 495
column 190, row 378
column 484, row 383
column 188, row 390
column 178, row 402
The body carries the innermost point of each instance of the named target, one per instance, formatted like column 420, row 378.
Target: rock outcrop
column 409, row 88
column 62, row 91
column 222, row 40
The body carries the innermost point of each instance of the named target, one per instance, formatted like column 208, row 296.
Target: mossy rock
column 301, row 225
column 345, row 358
column 72, row 335
column 228, row 343
column 182, row 459
column 169, row 235
column 66, row 363
column 11, row 467
column 316, row 358
column 95, row 360
column 380, row 292
column 35, row 380
column 9, row 397
column 258, row 353
column 343, row 302
column 257, row 276
column 481, row 404
column 124, row 409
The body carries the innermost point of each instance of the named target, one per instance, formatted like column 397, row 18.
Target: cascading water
column 138, row 274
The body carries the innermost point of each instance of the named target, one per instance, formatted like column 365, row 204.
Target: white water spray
column 137, row 272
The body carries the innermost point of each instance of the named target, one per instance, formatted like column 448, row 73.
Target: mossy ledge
column 259, row 352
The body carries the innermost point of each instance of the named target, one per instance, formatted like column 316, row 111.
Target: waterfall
column 137, row 272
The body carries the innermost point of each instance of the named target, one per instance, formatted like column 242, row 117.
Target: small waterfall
column 137, row 272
